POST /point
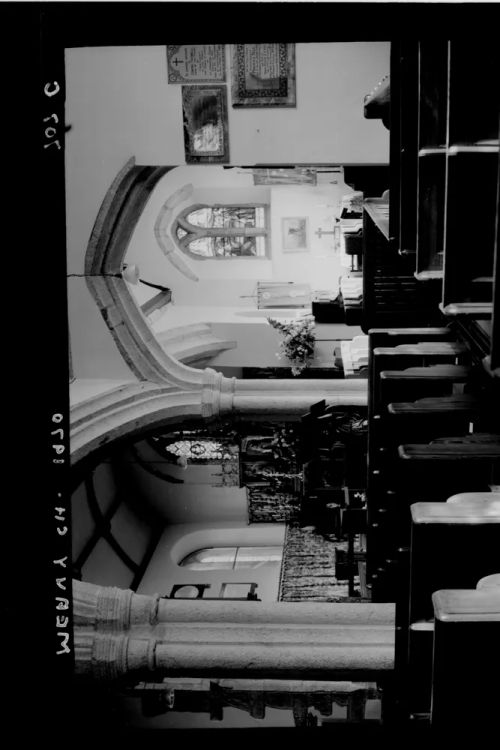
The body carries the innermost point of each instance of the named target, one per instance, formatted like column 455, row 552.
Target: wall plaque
column 294, row 234
column 204, row 110
column 263, row 75
column 196, row 63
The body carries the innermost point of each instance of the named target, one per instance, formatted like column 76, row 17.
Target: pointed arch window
column 223, row 231
column 200, row 450
column 232, row 558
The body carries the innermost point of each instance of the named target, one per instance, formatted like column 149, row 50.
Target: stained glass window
column 203, row 449
column 223, row 231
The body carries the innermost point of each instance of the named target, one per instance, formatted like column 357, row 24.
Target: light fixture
column 130, row 273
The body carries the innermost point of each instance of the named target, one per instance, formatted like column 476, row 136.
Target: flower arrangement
column 298, row 342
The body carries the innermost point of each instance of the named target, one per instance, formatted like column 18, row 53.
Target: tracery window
column 223, row 231
column 198, row 450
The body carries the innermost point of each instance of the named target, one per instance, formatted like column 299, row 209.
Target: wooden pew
column 383, row 337
column 466, row 659
column 442, row 405
column 378, row 337
column 422, row 420
column 385, row 353
column 403, row 356
column 489, row 582
column 452, row 546
column 422, row 382
column 429, row 418
column 476, row 498
column 432, row 471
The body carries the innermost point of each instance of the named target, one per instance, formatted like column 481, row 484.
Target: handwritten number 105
column 50, row 132
column 50, row 90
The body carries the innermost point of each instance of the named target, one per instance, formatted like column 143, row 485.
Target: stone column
column 262, row 396
column 277, row 613
column 199, row 649
column 104, row 607
column 118, row 633
column 123, row 411
column 111, row 608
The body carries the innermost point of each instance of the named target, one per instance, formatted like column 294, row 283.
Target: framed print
column 294, row 234
column 204, row 111
column 285, row 176
column 257, row 471
column 263, row 75
column 257, row 445
column 196, row 63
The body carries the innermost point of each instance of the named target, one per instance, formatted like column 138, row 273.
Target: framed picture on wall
column 263, row 75
column 257, row 471
column 257, row 445
column 294, row 234
column 196, row 63
column 285, row 176
column 204, row 111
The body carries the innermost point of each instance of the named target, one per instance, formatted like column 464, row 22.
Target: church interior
column 284, row 386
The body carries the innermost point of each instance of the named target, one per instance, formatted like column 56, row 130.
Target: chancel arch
column 204, row 392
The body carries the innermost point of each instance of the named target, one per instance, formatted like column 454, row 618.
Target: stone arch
column 111, row 234
column 133, row 409
column 168, row 389
column 127, row 412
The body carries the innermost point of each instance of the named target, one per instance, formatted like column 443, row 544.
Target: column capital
column 108, row 656
column 217, row 395
column 110, row 608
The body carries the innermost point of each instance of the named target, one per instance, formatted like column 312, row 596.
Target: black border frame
column 36, row 35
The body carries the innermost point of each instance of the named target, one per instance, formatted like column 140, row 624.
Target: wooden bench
column 428, row 418
column 488, row 582
column 433, row 380
column 469, row 498
column 386, row 348
column 466, row 659
column 452, row 546
column 433, row 471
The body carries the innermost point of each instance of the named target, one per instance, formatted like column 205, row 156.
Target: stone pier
column 118, row 633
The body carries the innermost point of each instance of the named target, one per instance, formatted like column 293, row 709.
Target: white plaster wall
column 174, row 315
column 199, row 502
column 194, row 500
column 124, row 97
column 180, row 540
column 319, row 265
column 119, row 104
column 257, row 344
column 328, row 123
column 258, row 347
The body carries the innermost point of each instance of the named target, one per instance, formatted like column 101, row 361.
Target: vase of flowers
column 298, row 341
